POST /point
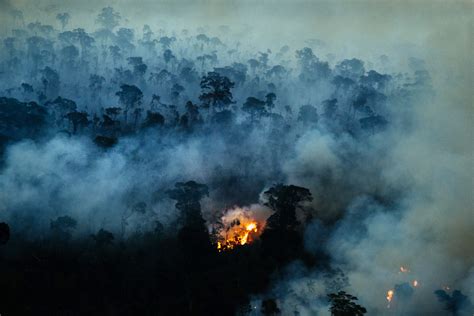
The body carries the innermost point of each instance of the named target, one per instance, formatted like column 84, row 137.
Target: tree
column 4, row 233
column 63, row 18
column 147, row 34
column 130, row 96
column 350, row 68
column 188, row 196
column 60, row 107
column 236, row 73
column 191, row 117
column 96, row 83
column 342, row 305
column 253, row 63
column 216, row 90
column 137, row 113
column 305, row 57
column 193, row 235
column 270, row 307
column 105, row 142
column 166, row 41
column 254, row 107
column 308, row 114
column 284, row 199
column 50, row 81
column 376, row 80
column 153, row 119
column 454, row 303
column 27, row 88
column 84, row 40
column 277, row 71
column 125, row 38
column 139, row 68
column 77, row 119
column 203, row 39
column 69, row 56
column 108, row 18
column 168, row 55
column 329, row 108
column 312, row 69
column 61, row 227
column 280, row 239
column 113, row 112
column 21, row 119
column 270, row 101
column 176, row 91
column 103, row 238
column 115, row 53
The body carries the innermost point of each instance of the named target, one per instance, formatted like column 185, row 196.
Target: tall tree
column 77, row 119
column 342, row 304
column 188, row 196
column 281, row 240
column 255, row 107
column 130, row 97
column 284, row 199
column 216, row 91
column 108, row 18
column 63, row 18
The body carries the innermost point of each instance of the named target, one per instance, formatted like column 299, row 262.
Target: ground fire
column 237, row 227
column 389, row 297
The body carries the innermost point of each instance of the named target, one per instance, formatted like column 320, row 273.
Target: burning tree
column 237, row 227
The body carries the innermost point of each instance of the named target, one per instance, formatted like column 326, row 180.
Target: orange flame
column 389, row 297
column 240, row 226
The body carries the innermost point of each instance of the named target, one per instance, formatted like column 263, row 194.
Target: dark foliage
column 342, row 304
column 456, row 303
column 4, row 233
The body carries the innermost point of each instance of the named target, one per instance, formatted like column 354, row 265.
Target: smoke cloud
column 401, row 197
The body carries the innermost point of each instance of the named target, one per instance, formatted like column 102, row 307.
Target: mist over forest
column 236, row 158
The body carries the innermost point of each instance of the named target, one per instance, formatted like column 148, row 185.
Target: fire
column 414, row 283
column 389, row 297
column 404, row 269
column 239, row 226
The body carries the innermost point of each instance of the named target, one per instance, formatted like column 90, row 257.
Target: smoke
column 401, row 198
column 429, row 229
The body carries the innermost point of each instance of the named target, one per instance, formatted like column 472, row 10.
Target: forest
column 155, row 171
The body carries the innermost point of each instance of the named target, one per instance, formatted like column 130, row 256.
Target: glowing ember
column 389, row 297
column 414, row 283
column 404, row 269
column 239, row 226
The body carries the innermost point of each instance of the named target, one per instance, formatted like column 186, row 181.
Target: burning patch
column 239, row 226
